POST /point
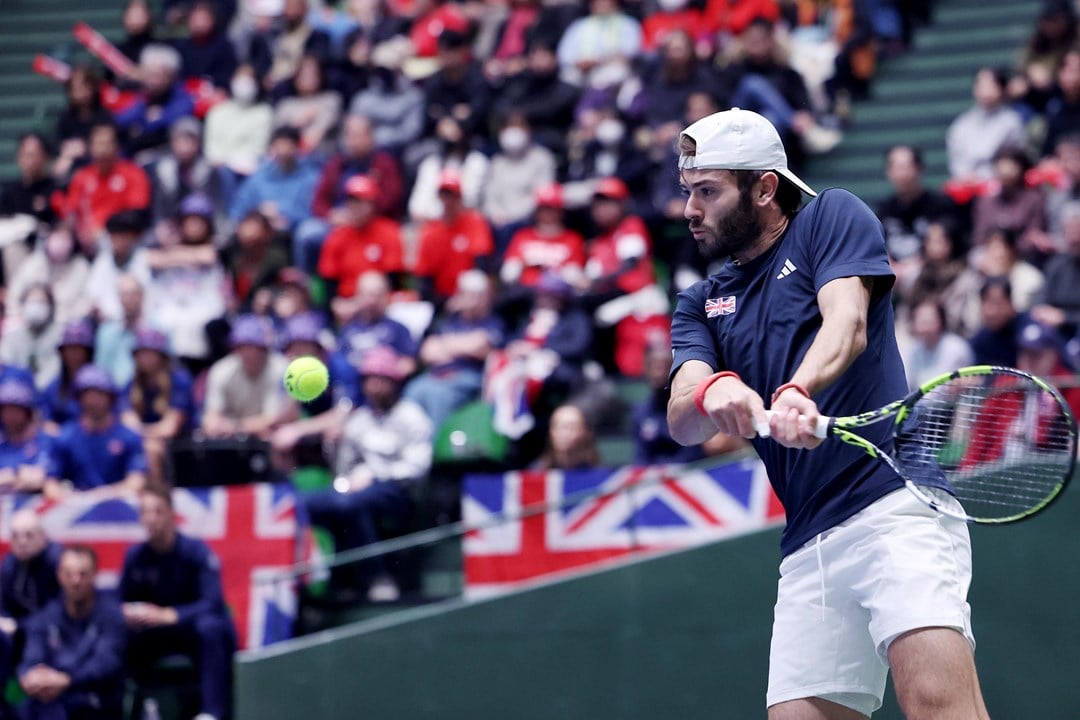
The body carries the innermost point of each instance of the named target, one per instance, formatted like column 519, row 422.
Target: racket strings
column 1000, row 444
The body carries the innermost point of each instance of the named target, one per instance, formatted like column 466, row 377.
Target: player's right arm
column 731, row 406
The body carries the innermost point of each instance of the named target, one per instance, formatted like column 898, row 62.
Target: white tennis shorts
column 844, row 596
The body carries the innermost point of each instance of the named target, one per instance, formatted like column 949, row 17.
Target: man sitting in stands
column 173, row 603
column 73, row 666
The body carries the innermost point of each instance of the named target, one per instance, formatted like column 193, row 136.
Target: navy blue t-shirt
column 181, row 397
column 759, row 319
column 91, row 459
column 455, row 324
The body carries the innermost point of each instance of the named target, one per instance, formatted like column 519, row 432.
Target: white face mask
column 513, row 139
column 35, row 313
column 244, row 90
column 610, row 132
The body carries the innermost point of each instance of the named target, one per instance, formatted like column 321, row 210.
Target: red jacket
column 447, row 249
column 538, row 253
column 93, row 197
column 350, row 251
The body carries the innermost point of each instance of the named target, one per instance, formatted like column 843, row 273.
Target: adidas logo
column 789, row 267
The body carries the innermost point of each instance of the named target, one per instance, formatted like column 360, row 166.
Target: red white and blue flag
column 624, row 511
column 715, row 307
column 253, row 529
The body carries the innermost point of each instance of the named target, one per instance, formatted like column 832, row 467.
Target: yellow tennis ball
column 306, row 378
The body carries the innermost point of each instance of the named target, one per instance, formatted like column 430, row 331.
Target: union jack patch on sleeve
column 719, row 306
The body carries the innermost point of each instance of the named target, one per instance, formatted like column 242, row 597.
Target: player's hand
column 794, row 419
column 734, row 407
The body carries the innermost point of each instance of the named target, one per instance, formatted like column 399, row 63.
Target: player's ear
column 766, row 188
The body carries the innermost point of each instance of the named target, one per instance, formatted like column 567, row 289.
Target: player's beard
column 733, row 233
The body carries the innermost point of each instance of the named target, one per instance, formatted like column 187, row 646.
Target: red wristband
column 704, row 385
column 788, row 386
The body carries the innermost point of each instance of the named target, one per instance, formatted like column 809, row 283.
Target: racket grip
column 821, row 428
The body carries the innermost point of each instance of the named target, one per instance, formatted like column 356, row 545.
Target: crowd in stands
column 450, row 203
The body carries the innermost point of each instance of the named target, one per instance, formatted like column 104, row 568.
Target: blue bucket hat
column 78, row 332
column 151, row 339
column 252, row 330
column 305, row 327
column 92, row 377
column 17, row 393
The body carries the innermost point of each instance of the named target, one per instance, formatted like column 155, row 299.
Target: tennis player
column 800, row 317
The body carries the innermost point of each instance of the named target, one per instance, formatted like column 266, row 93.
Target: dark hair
column 584, row 454
column 46, row 146
column 130, row 221
column 81, row 550
column 936, row 303
column 1000, row 282
column 105, row 125
column 286, row 132
column 158, row 492
column 1039, row 43
column 1015, row 153
column 916, row 154
column 258, row 217
column 1000, row 74
column 762, row 22
column 788, row 197
column 91, row 77
column 1008, row 235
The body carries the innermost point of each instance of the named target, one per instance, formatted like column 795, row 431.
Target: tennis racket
column 984, row 444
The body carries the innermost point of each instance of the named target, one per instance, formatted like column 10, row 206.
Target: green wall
column 680, row 636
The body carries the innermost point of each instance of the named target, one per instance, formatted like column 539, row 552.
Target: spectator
column 94, row 451
column 187, row 287
column 455, row 155
column 170, row 586
column 1058, row 306
column 671, row 17
column 123, row 255
column 385, row 449
column 60, row 397
column 158, row 403
column 460, row 240
column 599, row 146
column 455, row 350
column 596, row 50
column 116, row 338
column 237, row 131
column 57, row 264
column 571, row 444
column 82, row 113
column 998, row 257
column 942, row 273
column 363, row 242
column 933, row 350
column 542, row 96
column 254, row 261
column 31, row 344
column 1015, row 206
column 653, row 444
column 24, row 449
column 995, row 341
column 517, row 171
column 365, row 324
column 545, row 246
column 311, row 107
column 432, row 19
column 139, row 32
column 908, row 212
column 1054, row 36
column 458, row 90
column 183, row 171
column 27, row 584
column 164, row 100
column 976, row 134
column 283, row 187
column 244, row 394
column 300, row 440
column 73, row 665
column 25, row 202
column 106, row 186
column 671, row 79
column 509, row 45
column 1063, row 110
column 277, row 57
column 1067, row 158
column 390, row 101
column 358, row 156
column 289, row 295
column 761, row 82
column 206, row 53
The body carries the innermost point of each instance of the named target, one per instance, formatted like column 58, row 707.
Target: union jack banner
column 624, row 511
column 719, row 306
column 253, row 529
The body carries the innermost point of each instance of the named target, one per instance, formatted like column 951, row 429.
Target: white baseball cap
column 738, row 140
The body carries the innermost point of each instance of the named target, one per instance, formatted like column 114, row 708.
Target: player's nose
column 690, row 210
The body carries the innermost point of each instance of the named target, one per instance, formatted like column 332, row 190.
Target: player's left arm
column 844, row 304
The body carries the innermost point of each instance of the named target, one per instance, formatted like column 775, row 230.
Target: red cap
column 361, row 187
column 611, row 187
column 550, row 196
column 450, row 180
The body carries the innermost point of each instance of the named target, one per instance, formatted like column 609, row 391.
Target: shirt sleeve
column 136, row 456
column 215, row 390
column 691, row 336
column 329, row 263
column 210, row 594
column 846, row 240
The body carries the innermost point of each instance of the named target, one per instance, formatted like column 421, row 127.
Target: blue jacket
column 91, row 651
column 291, row 192
column 188, row 578
column 27, row 587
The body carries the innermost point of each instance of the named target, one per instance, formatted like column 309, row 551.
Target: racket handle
column 821, row 429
